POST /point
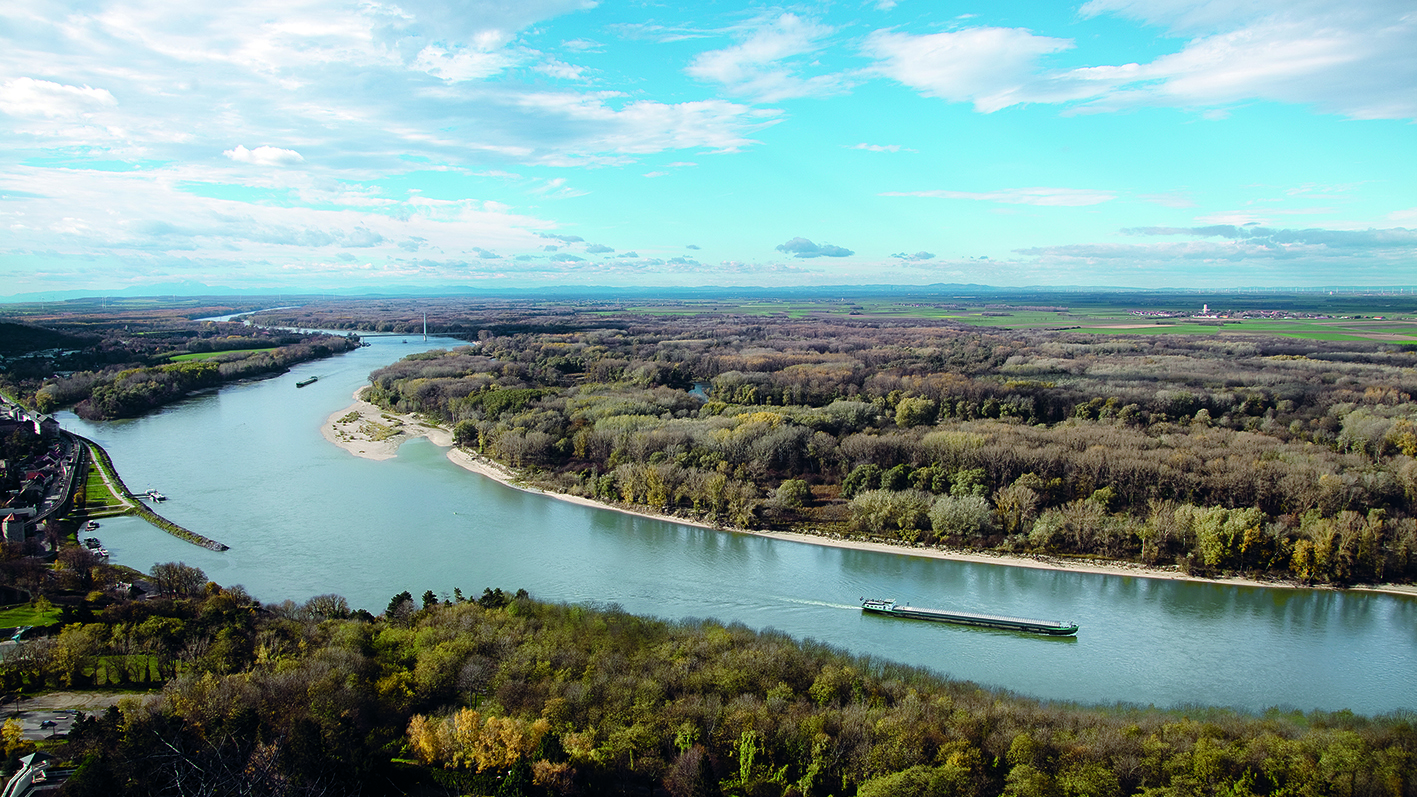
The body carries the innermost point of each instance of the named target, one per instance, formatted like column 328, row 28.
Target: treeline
column 510, row 696
column 129, row 392
column 933, row 434
column 61, row 359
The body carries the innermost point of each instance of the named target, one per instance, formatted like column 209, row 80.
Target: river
column 247, row 466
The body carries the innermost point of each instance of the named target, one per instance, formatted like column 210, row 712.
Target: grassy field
column 25, row 614
column 1091, row 317
column 99, row 500
column 207, row 355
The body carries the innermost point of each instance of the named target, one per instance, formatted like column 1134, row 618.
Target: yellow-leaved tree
column 467, row 740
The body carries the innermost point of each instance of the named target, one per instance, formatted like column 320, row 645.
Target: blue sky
column 314, row 145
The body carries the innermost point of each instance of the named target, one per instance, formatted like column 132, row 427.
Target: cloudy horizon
column 312, row 145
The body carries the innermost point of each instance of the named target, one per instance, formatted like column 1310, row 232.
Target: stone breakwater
column 142, row 510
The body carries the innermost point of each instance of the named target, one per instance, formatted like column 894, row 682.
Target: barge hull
column 980, row 620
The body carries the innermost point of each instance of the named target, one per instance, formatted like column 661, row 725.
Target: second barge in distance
column 891, row 608
column 312, row 380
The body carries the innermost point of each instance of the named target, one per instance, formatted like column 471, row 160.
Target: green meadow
column 207, row 355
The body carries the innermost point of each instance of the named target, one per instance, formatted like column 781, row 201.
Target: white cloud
column 645, row 126
column 1054, row 197
column 1354, row 59
column 265, row 156
column 880, row 147
column 1357, row 65
column 462, row 64
column 29, row 98
column 990, row 67
column 164, row 232
column 560, row 70
column 804, row 248
column 1408, row 216
column 754, row 67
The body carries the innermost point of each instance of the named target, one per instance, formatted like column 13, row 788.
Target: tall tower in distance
column 425, row 327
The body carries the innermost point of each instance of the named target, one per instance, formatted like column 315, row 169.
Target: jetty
column 105, row 464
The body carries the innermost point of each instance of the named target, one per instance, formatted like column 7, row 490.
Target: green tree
column 792, row 494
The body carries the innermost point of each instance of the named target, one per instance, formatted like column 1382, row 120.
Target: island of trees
column 1276, row 457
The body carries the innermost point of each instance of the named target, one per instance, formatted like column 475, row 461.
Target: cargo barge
column 312, row 380
column 892, row 609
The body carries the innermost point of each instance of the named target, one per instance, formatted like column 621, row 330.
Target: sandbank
column 367, row 431
column 354, row 435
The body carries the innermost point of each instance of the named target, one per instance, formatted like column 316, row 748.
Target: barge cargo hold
column 892, row 609
column 312, row 380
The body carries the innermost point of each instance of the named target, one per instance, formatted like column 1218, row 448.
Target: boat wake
column 851, row 606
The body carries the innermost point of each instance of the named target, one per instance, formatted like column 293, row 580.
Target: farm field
column 1353, row 320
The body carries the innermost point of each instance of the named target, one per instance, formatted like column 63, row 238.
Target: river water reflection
column 247, row 466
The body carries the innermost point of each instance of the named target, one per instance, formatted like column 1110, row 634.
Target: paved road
column 60, row 708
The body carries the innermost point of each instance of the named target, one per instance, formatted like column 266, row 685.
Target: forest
column 110, row 364
column 503, row 694
column 1270, row 456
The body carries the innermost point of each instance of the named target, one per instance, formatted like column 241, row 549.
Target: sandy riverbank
column 357, row 436
column 367, row 431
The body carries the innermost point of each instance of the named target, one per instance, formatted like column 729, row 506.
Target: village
column 39, row 464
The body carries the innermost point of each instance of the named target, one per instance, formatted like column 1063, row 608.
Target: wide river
column 248, row 466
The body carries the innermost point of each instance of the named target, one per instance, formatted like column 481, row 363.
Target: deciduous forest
column 510, row 696
column 1277, row 457
column 125, row 362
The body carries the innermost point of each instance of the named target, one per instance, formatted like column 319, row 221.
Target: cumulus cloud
column 569, row 239
column 803, row 248
column 598, row 249
column 265, row 156
column 29, row 98
column 692, row 246
column 918, row 256
column 755, row 67
column 1057, row 197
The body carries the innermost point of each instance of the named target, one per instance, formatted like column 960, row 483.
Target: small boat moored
column 893, row 609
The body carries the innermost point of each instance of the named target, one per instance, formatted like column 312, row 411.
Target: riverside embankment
column 104, row 463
